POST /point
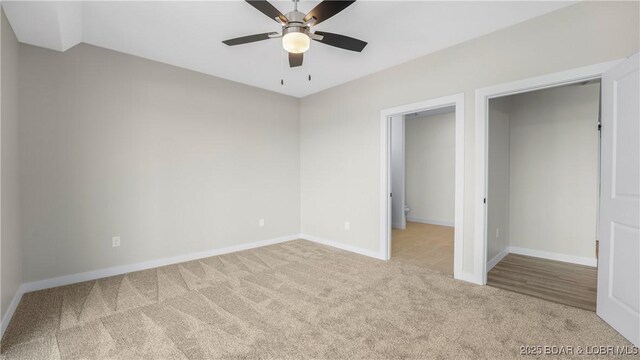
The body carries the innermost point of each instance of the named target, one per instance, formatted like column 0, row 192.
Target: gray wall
column 430, row 168
column 10, row 245
column 170, row 160
column 498, row 183
column 340, row 129
column 554, row 170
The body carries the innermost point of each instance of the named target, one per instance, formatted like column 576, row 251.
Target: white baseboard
column 12, row 309
column 123, row 269
column 555, row 256
column 496, row 259
column 350, row 248
column 428, row 221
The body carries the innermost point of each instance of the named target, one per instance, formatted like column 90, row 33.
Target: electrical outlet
column 261, row 222
column 115, row 241
column 497, row 233
column 347, row 225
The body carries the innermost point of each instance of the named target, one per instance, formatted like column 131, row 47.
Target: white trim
column 471, row 277
column 385, row 185
column 123, row 269
column 339, row 245
column 554, row 256
column 429, row 221
column 11, row 310
column 496, row 259
column 400, row 193
column 456, row 100
column 482, row 100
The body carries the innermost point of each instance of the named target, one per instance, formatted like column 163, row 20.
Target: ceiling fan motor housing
column 296, row 24
column 295, row 34
column 295, row 29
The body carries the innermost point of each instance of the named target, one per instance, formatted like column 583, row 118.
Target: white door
column 619, row 258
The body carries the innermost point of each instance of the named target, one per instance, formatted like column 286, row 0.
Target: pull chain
column 309, row 63
column 282, row 67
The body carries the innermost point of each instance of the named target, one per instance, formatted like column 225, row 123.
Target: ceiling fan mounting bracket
column 315, row 36
column 311, row 21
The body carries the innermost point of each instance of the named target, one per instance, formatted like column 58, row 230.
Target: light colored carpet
column 292, row 300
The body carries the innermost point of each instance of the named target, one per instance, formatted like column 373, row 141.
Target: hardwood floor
column 424, row 245
column 561, row 282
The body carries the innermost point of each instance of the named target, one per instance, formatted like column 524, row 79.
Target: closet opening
column 543, row 186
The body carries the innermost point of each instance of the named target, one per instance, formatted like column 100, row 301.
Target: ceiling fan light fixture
column 296, row 40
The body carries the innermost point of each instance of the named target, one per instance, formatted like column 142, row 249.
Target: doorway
column 427, row 218
column 543, row 193
column 423, row 188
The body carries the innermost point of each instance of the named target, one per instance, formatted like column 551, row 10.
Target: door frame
column 456, row 100
column 402, row 169
column 483, row 96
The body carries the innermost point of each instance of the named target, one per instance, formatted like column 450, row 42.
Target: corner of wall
column 10, row 220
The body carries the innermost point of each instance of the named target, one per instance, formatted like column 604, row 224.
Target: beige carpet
column 292, row 300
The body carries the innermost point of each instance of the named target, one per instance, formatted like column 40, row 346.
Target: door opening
column 426, row 216
column 542, row 193
column 423, row 188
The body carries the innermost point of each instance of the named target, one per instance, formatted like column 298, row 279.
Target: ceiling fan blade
column 266, row 8
column 326, row 9
column 341, row 41
column 295, row 60
column 248, row 39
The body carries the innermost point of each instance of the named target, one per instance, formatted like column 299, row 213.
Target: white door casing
column 619, row 229
column 397, row 172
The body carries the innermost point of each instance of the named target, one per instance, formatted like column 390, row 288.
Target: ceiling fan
column 296, row 29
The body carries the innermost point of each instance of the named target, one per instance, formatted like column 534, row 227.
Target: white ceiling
column 189, row 34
